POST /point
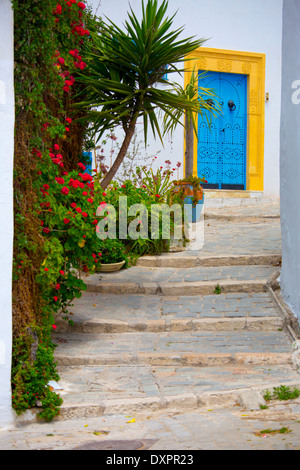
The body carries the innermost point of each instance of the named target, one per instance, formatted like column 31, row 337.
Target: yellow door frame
column 250, row 64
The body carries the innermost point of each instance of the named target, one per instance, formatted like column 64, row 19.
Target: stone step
column 190, row 281
column 194, row 259
column 109, row 313
column 115, row 389
column 174, row 348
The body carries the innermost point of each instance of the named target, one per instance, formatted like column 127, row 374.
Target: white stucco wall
column 245, row 25
column 290, row 156
column 6, row 207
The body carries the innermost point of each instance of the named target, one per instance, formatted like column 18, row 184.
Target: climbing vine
column 50, row 38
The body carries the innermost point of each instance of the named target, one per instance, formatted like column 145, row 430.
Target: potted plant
column 190, row 191
column 111, row 256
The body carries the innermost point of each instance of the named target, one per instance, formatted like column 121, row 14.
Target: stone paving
column 158, row 358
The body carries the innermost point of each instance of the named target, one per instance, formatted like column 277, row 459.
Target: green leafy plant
column 283, row 392
column 49, row 45
column 111, row 251
column 218, row 289
column 32, row 369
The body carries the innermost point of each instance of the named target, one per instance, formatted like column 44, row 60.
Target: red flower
column 85, row 193
column 78, row 209
column 90, row 200
column 66, row 221
column 66, row 128
column 84, row 214
column 157, row 195
column 66, row 88
column 55, row 298
column 73, row 205
column 56, row 146
column 46, row 269
column 57, row 287
column 46, row 186
column 62, row 272
column 46, row 230
column 54, row 327
column 65, row 190
column 58, row 10
column 104, row 194
column 61, row 60
column 82, row 166
column 59, row 180
column 69, row 120
column 81, row 5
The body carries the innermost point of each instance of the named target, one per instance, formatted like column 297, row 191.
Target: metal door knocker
column 231, row 105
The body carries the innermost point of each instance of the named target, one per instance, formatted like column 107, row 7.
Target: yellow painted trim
column 253, row 65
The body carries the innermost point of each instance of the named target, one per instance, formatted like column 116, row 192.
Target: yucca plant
column 125, row 67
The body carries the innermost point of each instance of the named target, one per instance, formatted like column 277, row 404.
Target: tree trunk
column 189, row 151
column 120, row 157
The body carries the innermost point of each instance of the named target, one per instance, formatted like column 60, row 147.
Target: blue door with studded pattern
column 221, row 152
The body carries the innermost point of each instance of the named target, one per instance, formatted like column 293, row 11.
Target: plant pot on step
column 111, row 267
column 190, row 192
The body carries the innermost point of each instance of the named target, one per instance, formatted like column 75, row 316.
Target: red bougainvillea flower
column 58, row 9
column 66, row 221
column 82, row 166
column 46, row 186
column 84, row 214
column 103, row 194
column 85, row 193
column 90, row 200
column 55, row 298
column 56, row 147
column 62, row 272
column 69, row 120
column 57, row 287
column 59, row 180
column 66, row 88
column 46, row 230
column 46, row 269
column 73, row 205
column 81, row 5
column 157, row 195
column 65, row 190
column 123, row 186
column 61, row 61
column 54, row 327
column 78, row 209
column 67, row 129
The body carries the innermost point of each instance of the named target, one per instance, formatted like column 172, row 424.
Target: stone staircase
column 179, row 331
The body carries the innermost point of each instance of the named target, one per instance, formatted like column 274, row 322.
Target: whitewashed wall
column 6, row 207
column 290, row 156
column 245, row 25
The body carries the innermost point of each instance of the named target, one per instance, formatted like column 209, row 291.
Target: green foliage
column 32, row 368
column 218, row 289
column 125, row 67
column 283, row 392
column 49, row 39
column 112, row 251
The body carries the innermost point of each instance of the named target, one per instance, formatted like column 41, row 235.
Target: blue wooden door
column 222, row 145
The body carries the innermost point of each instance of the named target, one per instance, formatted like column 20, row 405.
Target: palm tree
column 124, row 70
